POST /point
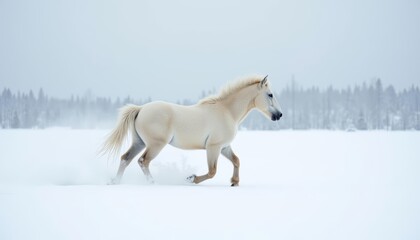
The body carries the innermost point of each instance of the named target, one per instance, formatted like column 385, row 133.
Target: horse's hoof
column 235, row 185
column 150, row 180
column 191, row 178
column 113, row 181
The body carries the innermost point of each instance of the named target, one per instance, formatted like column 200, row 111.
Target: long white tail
column 125, row 123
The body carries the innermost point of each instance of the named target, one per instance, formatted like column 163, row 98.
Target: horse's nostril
column 275, row 116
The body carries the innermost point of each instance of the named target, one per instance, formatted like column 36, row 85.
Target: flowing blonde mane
column 230, row 88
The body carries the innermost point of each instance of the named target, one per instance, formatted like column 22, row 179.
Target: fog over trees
column 361, row 107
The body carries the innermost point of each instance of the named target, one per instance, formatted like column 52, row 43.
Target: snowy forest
column 362, row 107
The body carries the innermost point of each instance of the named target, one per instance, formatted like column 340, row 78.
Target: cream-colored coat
column 211, row 124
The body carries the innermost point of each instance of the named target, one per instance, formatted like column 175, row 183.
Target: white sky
column 175, row 49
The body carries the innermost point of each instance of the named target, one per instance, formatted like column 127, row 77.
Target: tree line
column 362, row 107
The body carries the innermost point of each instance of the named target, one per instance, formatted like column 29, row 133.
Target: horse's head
column 266, row 102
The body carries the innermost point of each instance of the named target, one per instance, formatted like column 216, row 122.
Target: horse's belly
column 185, row 142
column 189, row 136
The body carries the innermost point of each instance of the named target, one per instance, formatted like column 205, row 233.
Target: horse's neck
column 240, row 103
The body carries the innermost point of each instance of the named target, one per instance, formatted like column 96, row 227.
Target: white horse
column 210, row 124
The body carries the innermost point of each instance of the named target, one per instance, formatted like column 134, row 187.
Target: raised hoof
column 191, row 178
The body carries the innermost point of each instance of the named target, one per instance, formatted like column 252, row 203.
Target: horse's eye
column 270, row 95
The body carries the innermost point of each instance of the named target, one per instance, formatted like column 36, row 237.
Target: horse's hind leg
column 228, row 153
column 136, row 147
column 149, row 154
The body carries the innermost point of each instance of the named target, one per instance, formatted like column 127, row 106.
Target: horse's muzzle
column 276, row 116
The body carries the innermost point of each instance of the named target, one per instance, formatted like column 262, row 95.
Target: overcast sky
column 175, row 49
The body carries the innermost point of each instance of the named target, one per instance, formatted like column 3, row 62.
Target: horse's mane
column 230, row 88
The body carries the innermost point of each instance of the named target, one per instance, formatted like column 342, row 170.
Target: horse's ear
column 264, row 81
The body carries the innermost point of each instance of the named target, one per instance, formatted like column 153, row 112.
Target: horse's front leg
column 213, row 153
column 228, row 153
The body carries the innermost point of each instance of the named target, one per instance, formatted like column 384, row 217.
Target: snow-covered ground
column 294, row 185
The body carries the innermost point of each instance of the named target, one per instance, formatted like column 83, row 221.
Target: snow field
column 294, row 185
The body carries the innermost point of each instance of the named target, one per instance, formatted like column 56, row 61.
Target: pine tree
column 15, row 121
column 361, row 123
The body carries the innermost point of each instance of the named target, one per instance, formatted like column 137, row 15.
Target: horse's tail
column 127, row 116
